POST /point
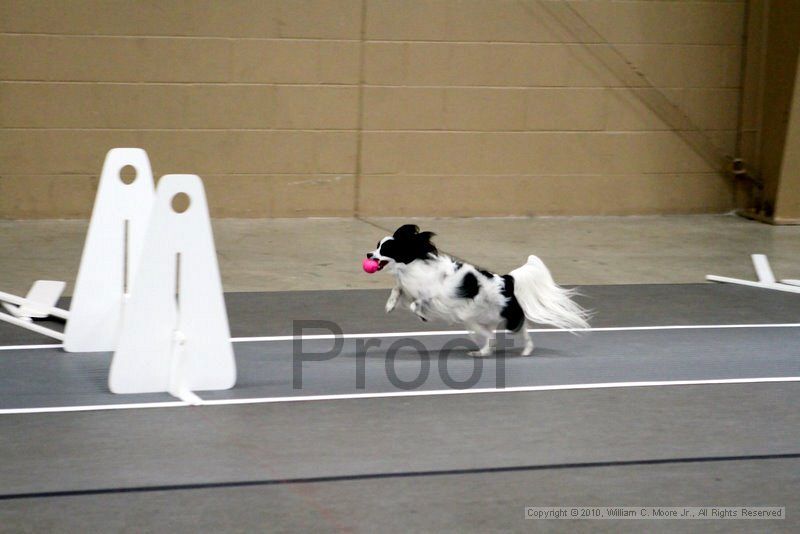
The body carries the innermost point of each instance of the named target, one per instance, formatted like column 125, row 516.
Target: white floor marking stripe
column 431, row 393
column 98, row 407
column 518, row 389
column 531, row 330
column 426, row 333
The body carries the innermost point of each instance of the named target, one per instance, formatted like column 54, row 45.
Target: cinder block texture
column 372, row 107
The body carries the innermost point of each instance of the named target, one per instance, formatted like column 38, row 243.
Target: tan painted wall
column 387, row 107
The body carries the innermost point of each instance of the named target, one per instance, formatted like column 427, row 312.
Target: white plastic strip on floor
column 531, row 330
column 392, row 394
column 763, row 285
column 90, row 408
column 426, row 333
column 518, row 389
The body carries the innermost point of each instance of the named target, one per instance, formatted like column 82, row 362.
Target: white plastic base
column 37, row 304
column 28, row 324
column 766, row 278
column 40, row 302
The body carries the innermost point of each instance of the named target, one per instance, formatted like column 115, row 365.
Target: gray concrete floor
column 123, row 449
column 138, row 448
column 302, row 254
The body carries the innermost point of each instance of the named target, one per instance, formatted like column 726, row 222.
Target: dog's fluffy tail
column 544, row 301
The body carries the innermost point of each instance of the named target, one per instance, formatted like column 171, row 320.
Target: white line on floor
column 391, row 394
column 531, row 330
column 98, row 407
column 466, row 332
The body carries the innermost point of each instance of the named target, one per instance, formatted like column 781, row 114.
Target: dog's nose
column 369, row 255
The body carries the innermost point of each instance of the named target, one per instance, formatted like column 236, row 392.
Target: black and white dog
column 434, row 285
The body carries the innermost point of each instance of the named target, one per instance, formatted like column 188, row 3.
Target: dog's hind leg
column 418, row 307
column 488, row 346
column 475, row 337
column 528, row 348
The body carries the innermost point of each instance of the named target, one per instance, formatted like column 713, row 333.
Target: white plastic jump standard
column 175, row 335
column 763, row 269
column 111, row 253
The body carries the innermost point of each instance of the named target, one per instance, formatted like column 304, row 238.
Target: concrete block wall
column 376, row 107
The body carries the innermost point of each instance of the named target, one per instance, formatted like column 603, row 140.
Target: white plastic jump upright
column 148, row 287
column 111, row 253
column 175, row 335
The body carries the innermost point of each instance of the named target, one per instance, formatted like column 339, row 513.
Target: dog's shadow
column 463, row 354
column 545, row 352
column 516, row 353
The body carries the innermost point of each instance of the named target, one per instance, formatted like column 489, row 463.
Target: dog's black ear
column 423, row 240
column 407, row 230
column 425, row 236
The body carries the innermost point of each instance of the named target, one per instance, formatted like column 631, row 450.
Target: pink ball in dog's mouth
column 370, row 265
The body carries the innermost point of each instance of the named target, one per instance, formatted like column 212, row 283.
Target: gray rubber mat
column 48, row 377
column 361, row 311
column 44, row 378
column 133, row 448
column 445, row 463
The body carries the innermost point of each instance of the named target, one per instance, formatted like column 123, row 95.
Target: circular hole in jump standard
column 127, row 174
column 181, row 202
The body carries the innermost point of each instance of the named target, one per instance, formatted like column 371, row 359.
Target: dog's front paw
column 480, row 353
column 391, row 302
